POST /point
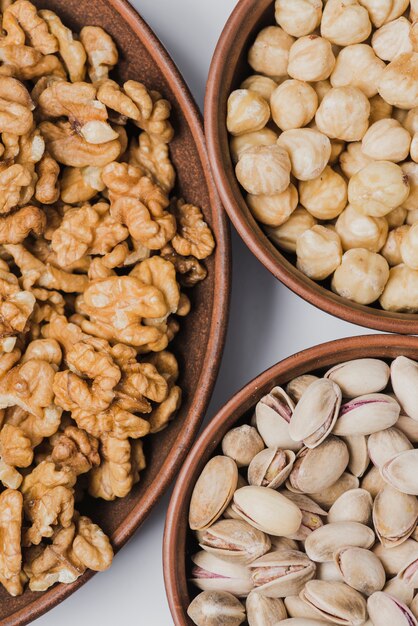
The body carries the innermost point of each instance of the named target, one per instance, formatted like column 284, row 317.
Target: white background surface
column 267, row 323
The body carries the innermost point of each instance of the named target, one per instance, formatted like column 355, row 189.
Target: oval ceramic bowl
column 228, row 70
column 200, row 342
column 179, row 543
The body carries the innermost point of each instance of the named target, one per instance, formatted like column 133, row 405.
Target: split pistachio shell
column 283, row 573
column 401, row 471
column 311, row 514
column 396, row 559
column 297, row 387
column 267, row 510
column 404, row 377
column 367, row 414
column 409, row 570
column 321, row 545
column 263, row 611
column 360, row 376
column 409, row 427
column 327, row 497
column 336, row 602
column 354, row 505
column 361, row 569
column 213, row 491
column 213, row 574
column 358, row 453
column 242, row 444
column 400, row 590
column 273, row 415
column 384, row 610
column 216, row 608
column 373, row 481
column 234, row 540
column 271, row 467
column 318, row 468
column 395, row 515
column 316, row 413
column 386, row 444
column 328, row 571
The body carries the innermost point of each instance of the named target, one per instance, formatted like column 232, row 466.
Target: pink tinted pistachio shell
column 212, row 574
column 384, row 610
column 336, row 602
column 282, row 573
column 273, row 414
column 404, row 377
column 360, row 376
column 401, row 471
column 395, row 516
column 321, row 545
column 315, row 413
column 386, row 444
column 367, row 414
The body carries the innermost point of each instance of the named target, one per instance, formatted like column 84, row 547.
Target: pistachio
column 271, row 467
column 316, row 413
column 213, row 491
column 386, row 444
column 212, row 574
column 242, row 444
column 414, row 606
column 297, row 387
column 396, row 559
column 384, row 610
column 361, row 569
column 282, row 573
column 367, row 414
column 395, row 516
column 318, row 468
column 360, row 377
column 267, row 510
column 327, row 497
column 408, row 427
column 336, row 602
column 401, row 471
column 328, row 571
column 278, row 543
column 404, row 377
column 359, row 454
column 263, row 611
column 234, row 540
column 301, row 613
column 354, row 505
column 322, row 543
column 311, row 514
column 273, row 415
column 216, row 608
column 400, row 590
column 373, row 481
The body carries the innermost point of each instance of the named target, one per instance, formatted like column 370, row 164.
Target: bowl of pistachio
column 311, row 124
column 299, row 500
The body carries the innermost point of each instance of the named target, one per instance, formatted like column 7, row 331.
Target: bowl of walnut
column 311, row 123
column 114, row 281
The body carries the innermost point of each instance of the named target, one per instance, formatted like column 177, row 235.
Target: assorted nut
column 94, row 255
column 335, row 90
column 310, row 514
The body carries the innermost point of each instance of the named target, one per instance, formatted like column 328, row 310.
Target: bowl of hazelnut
column 311, row 119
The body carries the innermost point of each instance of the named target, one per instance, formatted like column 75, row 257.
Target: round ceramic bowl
column 229, row 68
column 179, row 542
column 199, row 344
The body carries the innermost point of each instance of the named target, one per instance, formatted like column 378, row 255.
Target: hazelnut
column 261, row 85
column 241, row 143
column 411, row 170
column 311, row 59
column 337, row 148
column 396, row 217
column 378, row 188
column 359, row 67
column 299, row 17
column 392, row 248
column 269, row 54
column 414, row 148
column 361, row 277
column 353, row 159
column 345, row 22
column 344, row 114
column 413, row 11
column 322, row 87
column 382, row 11
column 286, row 235
column 392, row 39
column 264, row 170
column 293, row 104
column 274, row 210
column 401, row 291
column 379, row 109
column 361, row 231
column 399, row 82
column 326, row 196
column 409, row 247
column 411, row 121
column 412, row 217
column 247, row 112
column 318, row 252
column 386, row 140
column 309, row 151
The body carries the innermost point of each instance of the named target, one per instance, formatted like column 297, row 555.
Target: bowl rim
column 232, row 198
column 218, row 324
column 310, row 357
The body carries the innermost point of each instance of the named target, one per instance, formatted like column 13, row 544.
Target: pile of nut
column 311, row 511
column 325, row 142
column 93, row 254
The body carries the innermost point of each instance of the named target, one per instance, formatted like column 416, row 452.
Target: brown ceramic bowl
column 179, row 543
column 229, row 68
column 200, row 342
